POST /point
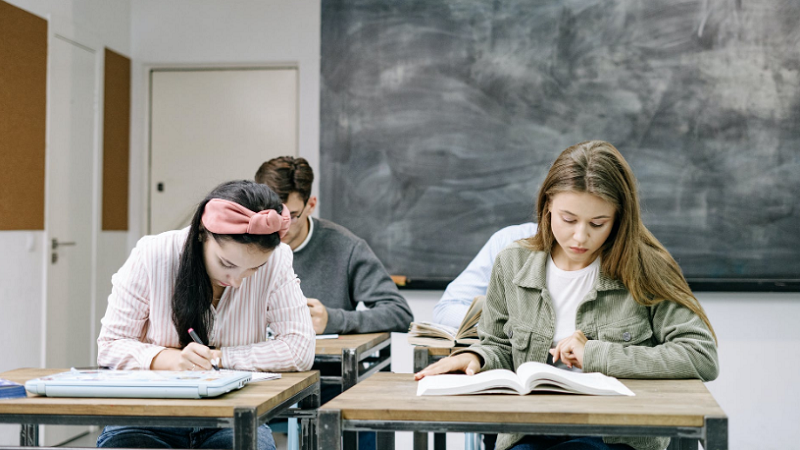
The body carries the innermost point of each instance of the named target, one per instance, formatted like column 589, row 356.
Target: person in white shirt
column 227, row 276
column 474, row 280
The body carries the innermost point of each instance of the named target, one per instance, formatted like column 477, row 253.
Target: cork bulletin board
column 23, row 114
column 116, row 141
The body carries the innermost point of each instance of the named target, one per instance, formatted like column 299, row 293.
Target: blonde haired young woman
column 592, row 290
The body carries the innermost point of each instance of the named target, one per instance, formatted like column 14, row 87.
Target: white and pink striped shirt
column 138, row 322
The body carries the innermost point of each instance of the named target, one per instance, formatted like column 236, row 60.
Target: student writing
column 593, row 289
column 229, row 278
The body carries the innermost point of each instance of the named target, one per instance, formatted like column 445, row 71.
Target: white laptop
column 138, row 383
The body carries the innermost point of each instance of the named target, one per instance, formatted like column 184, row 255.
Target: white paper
column 261, row 376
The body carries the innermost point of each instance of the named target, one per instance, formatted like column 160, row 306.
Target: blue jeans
column 566, row 443
column 167, row 437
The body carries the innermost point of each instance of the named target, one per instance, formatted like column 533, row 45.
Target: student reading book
column 431, row 334
column 10, row 389
column 531, row 376
column 593, row 289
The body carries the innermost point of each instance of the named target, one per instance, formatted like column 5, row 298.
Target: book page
column 540, row 376
column 491, row 381
column 431, row 341
column 430, row 329
column 263, row 376
column 469, row 325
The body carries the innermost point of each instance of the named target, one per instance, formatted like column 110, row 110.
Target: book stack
column 431, row 334
column 9, row 389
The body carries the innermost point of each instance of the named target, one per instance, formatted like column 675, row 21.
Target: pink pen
column 196, row 338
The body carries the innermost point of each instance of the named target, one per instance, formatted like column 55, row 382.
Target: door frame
column 146, row 157
column 65, row 29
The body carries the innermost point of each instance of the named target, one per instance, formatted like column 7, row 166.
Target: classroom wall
column 24, row 253
column 209, row 33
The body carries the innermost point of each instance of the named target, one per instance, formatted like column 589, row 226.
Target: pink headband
column 227, row 217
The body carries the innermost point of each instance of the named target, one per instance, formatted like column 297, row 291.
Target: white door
column 214, row 125
column 68, row 334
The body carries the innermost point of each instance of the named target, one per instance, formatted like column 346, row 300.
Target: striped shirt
column 138, row 322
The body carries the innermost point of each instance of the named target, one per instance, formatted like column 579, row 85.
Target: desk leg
column 29, row 435
column 329, row 430
column 349, row 368
column 386, row 352
column 245, row 429
column 421, row 358
column 385, row 440
column 716, row 433
column 349, row 379
column 439, row 441
column 420, row 440
column 308, row 426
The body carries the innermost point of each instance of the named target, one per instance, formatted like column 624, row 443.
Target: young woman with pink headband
column 228, row 277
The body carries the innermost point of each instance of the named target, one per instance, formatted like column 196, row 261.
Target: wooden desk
column 243, row 410
column 388, row 402
column 349, row 351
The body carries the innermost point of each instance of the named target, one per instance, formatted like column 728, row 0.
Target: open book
column 431, row 334
column 531, row 376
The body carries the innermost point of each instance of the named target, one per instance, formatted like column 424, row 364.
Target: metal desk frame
column 352, row 369
column 714, row 433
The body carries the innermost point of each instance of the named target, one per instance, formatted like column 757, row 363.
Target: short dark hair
column 287, row 174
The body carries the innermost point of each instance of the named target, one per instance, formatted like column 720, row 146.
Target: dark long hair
column 191, row 301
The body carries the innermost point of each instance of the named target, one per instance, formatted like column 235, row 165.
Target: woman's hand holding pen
column 198, row 357
column 570, row 350
column 469, row 363
column 193, row 357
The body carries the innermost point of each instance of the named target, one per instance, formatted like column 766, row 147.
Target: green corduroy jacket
column 626, row 339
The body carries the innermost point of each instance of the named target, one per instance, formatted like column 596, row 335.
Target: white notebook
column 138, row 383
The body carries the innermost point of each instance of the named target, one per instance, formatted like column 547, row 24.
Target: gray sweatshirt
column 339, row 269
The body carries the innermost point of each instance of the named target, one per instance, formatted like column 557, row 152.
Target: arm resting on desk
column 371, row 284
column 292, row 348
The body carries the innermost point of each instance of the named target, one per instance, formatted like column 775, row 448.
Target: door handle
column 57, row 244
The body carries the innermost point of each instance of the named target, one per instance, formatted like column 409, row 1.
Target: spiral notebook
column 139, row 383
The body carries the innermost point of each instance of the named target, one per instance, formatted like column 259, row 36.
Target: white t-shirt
column 568, row 289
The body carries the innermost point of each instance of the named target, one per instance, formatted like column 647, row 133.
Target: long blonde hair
column 631, row 253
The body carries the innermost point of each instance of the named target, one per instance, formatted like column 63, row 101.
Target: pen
column 196, row 338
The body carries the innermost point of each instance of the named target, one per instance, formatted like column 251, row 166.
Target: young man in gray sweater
column 337, row 269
